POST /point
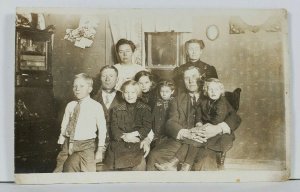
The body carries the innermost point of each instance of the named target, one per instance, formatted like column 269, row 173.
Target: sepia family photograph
column 151, row 95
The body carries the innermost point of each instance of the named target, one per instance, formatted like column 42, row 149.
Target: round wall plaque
column 212, row 32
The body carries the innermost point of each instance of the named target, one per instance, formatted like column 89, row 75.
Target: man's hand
column 212, row 130
column 198, row 138
column 185, row 134
column 130, row 138
column 198, row 134
column 145, row 145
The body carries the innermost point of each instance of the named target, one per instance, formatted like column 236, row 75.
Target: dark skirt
column 121, row 155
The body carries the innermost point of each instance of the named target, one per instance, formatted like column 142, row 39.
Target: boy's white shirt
column 91, row 118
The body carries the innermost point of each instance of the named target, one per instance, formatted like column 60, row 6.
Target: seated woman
column 130, row 124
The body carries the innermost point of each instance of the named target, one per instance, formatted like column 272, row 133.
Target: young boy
column 213, row 108
column 82, row 119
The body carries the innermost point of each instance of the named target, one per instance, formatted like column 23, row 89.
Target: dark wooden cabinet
column 36, row 127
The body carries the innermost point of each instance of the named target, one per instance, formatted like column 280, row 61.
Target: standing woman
column 126, row 68
column 194, row 49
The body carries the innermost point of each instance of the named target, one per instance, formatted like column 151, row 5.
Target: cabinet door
column 36, row 146
column 33, row 57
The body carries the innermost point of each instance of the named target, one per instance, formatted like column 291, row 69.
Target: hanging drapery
column 167, row 23
column 128, row 27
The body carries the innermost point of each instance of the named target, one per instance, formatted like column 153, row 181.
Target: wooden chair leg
column 220, row 160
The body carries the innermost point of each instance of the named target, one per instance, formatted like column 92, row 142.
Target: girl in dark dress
column 160, row 111
column 130, row 124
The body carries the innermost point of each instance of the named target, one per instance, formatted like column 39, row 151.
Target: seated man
column 182, row 120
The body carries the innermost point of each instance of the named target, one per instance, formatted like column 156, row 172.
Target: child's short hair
column 133, row 83
column 85, row 77
column 166, row 84
column 213, row 80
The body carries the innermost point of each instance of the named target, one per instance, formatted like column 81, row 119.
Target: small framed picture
column 162, row 49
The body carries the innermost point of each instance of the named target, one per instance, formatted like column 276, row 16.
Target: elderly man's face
column 191, row 78
column 194, row 51
column 109, row 79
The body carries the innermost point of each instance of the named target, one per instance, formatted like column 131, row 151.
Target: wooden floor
column 245, row 164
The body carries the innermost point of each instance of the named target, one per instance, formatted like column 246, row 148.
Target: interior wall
column 253, row 62
column 69, row 60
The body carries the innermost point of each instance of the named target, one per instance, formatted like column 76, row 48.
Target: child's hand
column 198, row 137
column 145, row 145
column 61, row 139
column 99, row 155
column 71, row 149
column 130, row 138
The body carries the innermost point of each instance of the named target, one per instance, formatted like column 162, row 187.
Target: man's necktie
column 106, row 102
column 194, row 101
column 72, row 125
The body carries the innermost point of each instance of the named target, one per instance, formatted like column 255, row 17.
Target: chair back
column 234, row 98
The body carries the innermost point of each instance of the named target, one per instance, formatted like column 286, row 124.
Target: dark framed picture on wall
column 163, row 49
